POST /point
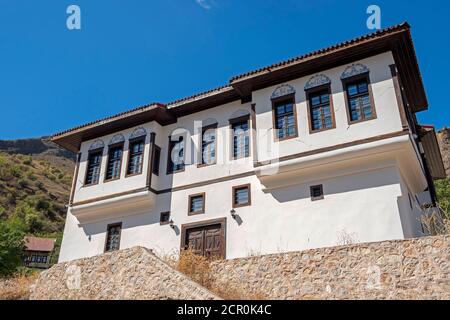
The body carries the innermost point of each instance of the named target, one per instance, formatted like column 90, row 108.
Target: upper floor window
column 196, row 204
column 93, row 167
column 175, row 161
column 360, row 104
column 241, row 138
column 136, row 156
column 208, row 141
column 285, row 121
column 113, row 237
column 114, row 163
column 321, row 115
column 156, row 160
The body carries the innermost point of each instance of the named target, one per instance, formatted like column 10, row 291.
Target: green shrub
column 28, row 161
column 11, row 246
column 31, row 176
column 23, row 183
column 16, row 171
column 443, row 195
column 2, row 211
column 40, row 185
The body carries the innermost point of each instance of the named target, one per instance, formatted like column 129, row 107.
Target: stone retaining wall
column 134, row 273
column 410, row 269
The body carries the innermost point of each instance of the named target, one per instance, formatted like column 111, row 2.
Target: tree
column 11, row 246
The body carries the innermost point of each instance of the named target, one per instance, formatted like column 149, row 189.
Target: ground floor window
column 113, row 237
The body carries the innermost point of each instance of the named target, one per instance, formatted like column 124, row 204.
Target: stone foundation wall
column 134, row 273
column 410, row 269
column 443, row 137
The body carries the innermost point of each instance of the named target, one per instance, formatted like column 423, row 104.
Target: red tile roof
column 39, row 244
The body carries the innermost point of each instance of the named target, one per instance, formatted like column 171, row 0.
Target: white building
column 306, row 153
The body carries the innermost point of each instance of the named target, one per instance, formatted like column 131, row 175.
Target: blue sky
column 133, row 52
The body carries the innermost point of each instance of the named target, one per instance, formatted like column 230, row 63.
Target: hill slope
column 35, row 181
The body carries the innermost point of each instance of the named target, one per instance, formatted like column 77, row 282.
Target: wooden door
column 195, row 240
column 207, row 240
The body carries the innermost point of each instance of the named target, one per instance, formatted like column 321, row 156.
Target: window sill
column 195, row 213
column 321, row 130
column 350, row 122
column 132, row 175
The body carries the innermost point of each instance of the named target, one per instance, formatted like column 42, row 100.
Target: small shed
column 38, row 252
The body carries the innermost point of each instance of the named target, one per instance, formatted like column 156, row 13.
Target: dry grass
column 198, row 268
column 434, row 221
column 18, row 287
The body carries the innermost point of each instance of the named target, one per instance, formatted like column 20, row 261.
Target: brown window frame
column 141, row 167
column 345, row 83
column 277, row 101
column 313, row 198
column 116, row 145
column 164, row 222
column 90, row 153
column 233, row 195
column 108, row 227
column 169, row 151
column 192, row 213
column 309, row 93
column 200, row 153
column 232, row 122
column 157, row 160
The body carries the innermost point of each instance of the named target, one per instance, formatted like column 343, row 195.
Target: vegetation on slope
column 33, row 192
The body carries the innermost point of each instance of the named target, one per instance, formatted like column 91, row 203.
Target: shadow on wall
column 338, row 185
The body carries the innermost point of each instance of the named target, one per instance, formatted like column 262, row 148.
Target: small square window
column 241, row 196
column 317, row 192
column 196, row 203
column 164, row 218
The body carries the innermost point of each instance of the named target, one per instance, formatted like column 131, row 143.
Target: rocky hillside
column 35, row 181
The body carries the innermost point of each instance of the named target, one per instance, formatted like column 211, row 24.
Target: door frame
column 206, row 223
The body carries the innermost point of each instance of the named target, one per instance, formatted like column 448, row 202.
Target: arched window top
column 283, row 90
column 97, row 145
column 239, row 114
column 316, row 81
column 354, row 70
column 138, row 132
column 117, row 138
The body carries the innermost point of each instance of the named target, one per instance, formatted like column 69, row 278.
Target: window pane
column 325, row 98
column 315, row 100
column 196, row 204
column 241, row 196
column 176, row 155
column 136, row 157
column 114, row 163
column 113, row 238
column 209, row 146
column 93, row 168
column 352, row 90
column 362, row 87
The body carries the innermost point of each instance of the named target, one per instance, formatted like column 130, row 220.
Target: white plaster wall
column 363, row 205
